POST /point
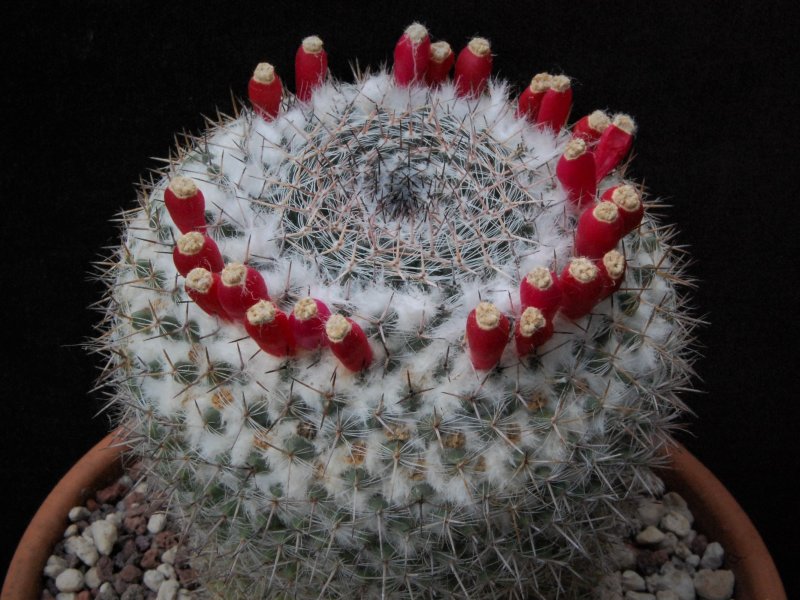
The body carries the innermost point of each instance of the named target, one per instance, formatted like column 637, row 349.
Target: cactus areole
column 374, row 441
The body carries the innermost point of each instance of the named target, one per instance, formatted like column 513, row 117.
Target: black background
column 92, row 92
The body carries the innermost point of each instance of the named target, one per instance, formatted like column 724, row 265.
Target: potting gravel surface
column 121, row 546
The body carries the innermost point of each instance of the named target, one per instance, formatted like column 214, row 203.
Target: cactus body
column 412, row 474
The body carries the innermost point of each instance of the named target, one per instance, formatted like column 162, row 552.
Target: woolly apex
column 606, row 212
column 625, row 123
column 540, row 278
column 560, row 83
column 416, row 32
column 191, row 243
column 264, row 73
column 583, row 270
column 305, row 309
column 575, row 148
column 599, row 120
column 487, row 316
column 261, row 313
column 479, row 46
column 312, row 44
column 614, row 262
column 199, row 280
column 626, row 197
column 440, row 51
column 531, row 321
column 234, row 274
column 541, row 82
column 337, row 328
column 182, row 187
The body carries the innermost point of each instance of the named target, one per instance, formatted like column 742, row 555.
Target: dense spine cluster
column 402, row 337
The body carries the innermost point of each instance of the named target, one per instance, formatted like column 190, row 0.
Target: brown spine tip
column 541, row 82
column 416, row 32
column 182, row 187
column 305, row 309
column 264, row 73
column 583, row 270
column 531, row 321
column 479, row 46
column 234, row 274
column 337, row 328
column 560, row 83
column 606, row 212
column 312, row 44
column 487, row 316
column 625, row 123
column 614, row 263
column 575, row 147
column 261, row 313
column 599, row 121
column 200, row 280
column 440, row 51
column 626, row 197
column 540, row 278
column 191, row 243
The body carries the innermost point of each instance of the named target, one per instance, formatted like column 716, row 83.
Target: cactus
column 403, row 383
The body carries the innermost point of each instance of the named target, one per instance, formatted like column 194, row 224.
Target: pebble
column 714, row 585
column 632, row 581
column 676, row 523
column 156, row 523
column 83, row 549
column 650, row 512
column 71, row 530
column 671, row 578
column 153, row 579
column 168, row 556
column 104, row 534
column 55, row 565
column 713, row 557
column 650, row 535
column 168, row 590
column 69, row 580
column 78, row 513
column 92, row 578
column 639, row 596
column 666, row 595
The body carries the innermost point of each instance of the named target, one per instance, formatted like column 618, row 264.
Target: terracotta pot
column 716, row 512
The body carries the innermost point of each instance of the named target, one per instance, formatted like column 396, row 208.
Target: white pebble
column 141, row 488
column 83, row 549
column 632, row 581
column 669, row 542
column 156, row 522
column 106, row 591
column 71, row 530
column 168, row 590
column 671, row 578
column 676, row 523
column 168, row 556
column 693, row 561
column 153, row 579
column 92, row 578
column 714, row 585
column 55, row 565
column 114, row 518
column 167, row 570
column 66, row 596
column 184, row 594
column 650, row 512
column 78, row 513
column 676, row 503
column 69, row 580
column 666, row 595
column 104, row 534
column 650, row 535
column 713, row 556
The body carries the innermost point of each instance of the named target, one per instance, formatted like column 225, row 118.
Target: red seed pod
column 629, row 202
column 269, row 328
column 540, row 289
column 532, row 330
column 591, row 127
column 611, row 270
column 348, row 342
column 576, row 172
column 185, row 204
column 614, row 144
column 581, row 287
column 412, row 55
column 202, row 286
column 307, row 321
column 242, row 286
column 556, row 104
column 265, row 91
column 473, row 67
column 195, row 249
column 487, row 335
column 441, row 61
column 310, row 67
column 531, row 98
column 599, row 230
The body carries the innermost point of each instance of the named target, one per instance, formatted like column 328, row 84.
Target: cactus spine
column 397, row 467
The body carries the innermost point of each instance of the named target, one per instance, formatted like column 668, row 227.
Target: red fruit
column 265, row 91
column 540, row 289
column 241, row 287
column 202, row 286
column 614, row 144
column 576, row 172
column 310, row 67
column 473, row 67
column 195, row 249
column 629, row 202
column 269, row 328
column 531, row 98
column 185, row 204
column 412, row 55
column 487, row 335
column 599, row 230
column 591, row 127
column 581, row 287
column 307, row 321
column 440, row 63
column 611, row 271
column 348, row 342
column 556, row 104
column 532, row 330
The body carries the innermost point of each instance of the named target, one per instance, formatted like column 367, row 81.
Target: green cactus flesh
column 419, row 477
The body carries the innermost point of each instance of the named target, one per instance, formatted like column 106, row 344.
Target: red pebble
column 310, row 67
column 599, row 230
column 473, row 67
column 540, row 289
column 581, row 287
column 487, row 335
column 576, row 172
column 556, row 104
column 269, row 328
column 531, row 98
column 441, row 61
column 614, row 144
column 531, row 331
column 611, row 271
column 348, row 342
column 185, row 204
column 307, row 322
column 265, row 91
column 194, row 250
column 591, row 127
column 629, row 202
column 412, row 55
column 203, row 286
column 242, row 286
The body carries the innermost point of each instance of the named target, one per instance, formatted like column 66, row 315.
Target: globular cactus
column 351, row 335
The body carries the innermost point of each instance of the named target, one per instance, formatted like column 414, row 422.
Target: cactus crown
column 402, row 207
